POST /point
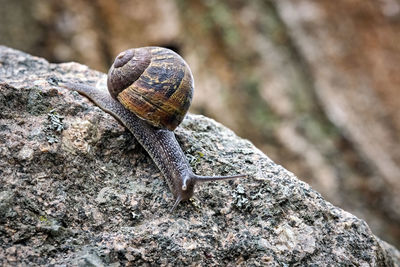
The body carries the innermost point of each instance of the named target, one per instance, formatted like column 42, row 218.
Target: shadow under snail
column 151, row 90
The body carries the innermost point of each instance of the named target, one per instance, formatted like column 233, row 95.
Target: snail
column 150, row 91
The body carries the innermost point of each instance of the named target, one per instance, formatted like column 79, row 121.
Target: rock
column 77, row 189
column 313, row 84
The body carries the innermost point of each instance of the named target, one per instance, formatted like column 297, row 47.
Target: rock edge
column 77, row 189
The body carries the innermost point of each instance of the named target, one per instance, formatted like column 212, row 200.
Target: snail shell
column 154, row 83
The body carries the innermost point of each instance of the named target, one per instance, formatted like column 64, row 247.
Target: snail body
column 150, row 91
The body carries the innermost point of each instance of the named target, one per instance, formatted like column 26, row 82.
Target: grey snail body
column 154, row 73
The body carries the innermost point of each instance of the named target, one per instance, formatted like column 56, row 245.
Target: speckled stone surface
column 77, row 189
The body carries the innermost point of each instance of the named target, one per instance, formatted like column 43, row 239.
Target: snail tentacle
column 150, row 90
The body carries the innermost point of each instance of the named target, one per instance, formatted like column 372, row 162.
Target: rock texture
column 77, row 189
column 312, row 83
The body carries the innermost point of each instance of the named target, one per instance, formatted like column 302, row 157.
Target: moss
column 43, row 218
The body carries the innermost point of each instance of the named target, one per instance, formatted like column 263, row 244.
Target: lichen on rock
column 90, row 195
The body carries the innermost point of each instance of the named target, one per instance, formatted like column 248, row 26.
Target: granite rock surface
column 77, row 189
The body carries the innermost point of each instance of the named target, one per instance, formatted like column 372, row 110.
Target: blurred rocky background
column 313, row 84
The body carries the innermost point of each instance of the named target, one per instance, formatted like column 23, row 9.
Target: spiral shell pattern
column 155, row 83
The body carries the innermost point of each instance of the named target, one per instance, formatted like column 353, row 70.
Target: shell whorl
column 155, row 83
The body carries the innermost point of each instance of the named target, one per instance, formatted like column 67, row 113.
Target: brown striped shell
column 155, row 83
